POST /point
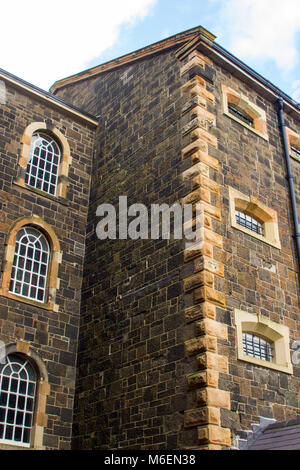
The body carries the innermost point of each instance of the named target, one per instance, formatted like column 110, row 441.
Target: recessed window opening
column 17, row 399
column 240, row 114
column 295, row 151
column 30, row 264
column 248, row 222
column 255, row 346
column 43, row 163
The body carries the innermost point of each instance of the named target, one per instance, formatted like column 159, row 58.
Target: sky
column 42, row 42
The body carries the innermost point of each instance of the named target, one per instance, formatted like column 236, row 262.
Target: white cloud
column 42, row 42
column 262, row 29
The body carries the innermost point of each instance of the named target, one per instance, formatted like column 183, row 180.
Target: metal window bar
column 43, row 162
column 240, row 115
column 295, row 151
column 248, row 222
column 255, row 346
column 30, row 265
column 17, row 399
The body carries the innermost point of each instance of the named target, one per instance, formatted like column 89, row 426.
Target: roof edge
column 159, row 46
column 46, row 96
column 197, row 37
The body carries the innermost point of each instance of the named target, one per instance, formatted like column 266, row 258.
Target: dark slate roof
column 279, row 436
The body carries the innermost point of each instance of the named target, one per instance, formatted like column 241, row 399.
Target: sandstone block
column 209, row 294
column 212, row 434
column 202, row 379
column 213, row 328
column 209, row 360
column 214, row 397
column 202, row 310
column 202, row 343
column 203, row 278
column 205, row 263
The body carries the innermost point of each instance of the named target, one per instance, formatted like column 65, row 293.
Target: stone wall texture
column 156, row 359
column 51, row 333
column 157, row 364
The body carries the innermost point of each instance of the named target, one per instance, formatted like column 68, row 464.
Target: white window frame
column 30, row 265
column 25, row 412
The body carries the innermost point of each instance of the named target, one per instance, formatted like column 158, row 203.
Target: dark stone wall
column 51, row 334
column 258, row 278
column 131, row 387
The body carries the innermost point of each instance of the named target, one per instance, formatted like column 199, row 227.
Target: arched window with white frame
column 43, row 163
column 44, row 160
column 18, row 386
column 30, row 264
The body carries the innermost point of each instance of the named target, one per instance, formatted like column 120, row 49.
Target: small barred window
column 249, row 222
column 43, row 163
column 255, row 346
column 17, row 398
column 240, row 114
column 30, row 264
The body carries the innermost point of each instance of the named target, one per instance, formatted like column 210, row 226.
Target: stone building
column 149, row 343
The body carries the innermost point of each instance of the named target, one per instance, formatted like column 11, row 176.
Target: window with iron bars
column 256, row 346
column 249, row 222
column 240, row 114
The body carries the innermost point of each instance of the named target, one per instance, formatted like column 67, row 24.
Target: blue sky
column 72, row 36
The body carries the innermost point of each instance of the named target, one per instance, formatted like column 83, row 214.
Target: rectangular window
column 295, row 151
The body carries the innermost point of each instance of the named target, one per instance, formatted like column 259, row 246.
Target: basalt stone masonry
column 156, row 330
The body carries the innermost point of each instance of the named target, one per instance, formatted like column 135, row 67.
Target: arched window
column 30, row 264
column 255, row 346
column 240, row 114
column 43, row 163
column 18, row 381
column 44, row 160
